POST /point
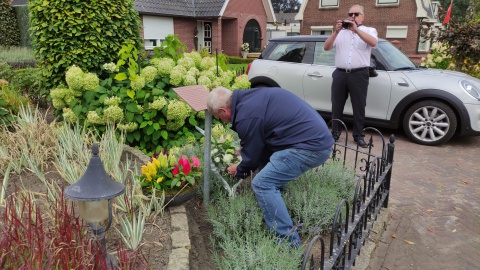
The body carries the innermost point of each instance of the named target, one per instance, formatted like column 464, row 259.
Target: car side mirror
column 372, row 69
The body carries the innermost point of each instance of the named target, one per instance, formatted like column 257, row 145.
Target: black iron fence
column 353, row 220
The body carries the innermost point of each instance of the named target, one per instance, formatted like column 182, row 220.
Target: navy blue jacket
column 273, row 119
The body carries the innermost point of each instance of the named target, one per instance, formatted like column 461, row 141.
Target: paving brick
column 428, row 192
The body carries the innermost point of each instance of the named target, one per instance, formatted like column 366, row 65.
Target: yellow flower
column 144, row 170
column 152, row 168
column 156, row 162
column 160, row 179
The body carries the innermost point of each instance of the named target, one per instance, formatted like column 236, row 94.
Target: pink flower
column 185, row 165
column 196, row 162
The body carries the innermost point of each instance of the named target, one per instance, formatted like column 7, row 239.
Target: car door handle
column 315, row 75
column 404, row 83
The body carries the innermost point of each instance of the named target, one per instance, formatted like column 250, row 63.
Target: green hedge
column 21, row 13
column 9, row 34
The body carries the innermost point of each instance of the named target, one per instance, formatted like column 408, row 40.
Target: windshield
column 394, row 57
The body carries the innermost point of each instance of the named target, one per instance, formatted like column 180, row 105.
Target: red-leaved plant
column 34, row 237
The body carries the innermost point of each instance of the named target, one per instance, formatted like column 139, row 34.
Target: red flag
column 449, row 12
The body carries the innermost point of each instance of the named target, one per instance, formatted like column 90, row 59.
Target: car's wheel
column 430, row 122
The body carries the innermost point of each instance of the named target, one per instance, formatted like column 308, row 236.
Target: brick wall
column 185, row 28
column 242, row 11
column 377, row 17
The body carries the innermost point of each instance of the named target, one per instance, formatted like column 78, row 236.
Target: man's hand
column 232, row 170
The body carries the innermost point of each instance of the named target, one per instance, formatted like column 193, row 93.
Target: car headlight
column 471, row 89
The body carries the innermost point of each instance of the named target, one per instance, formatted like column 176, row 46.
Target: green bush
column 313, row 197
column 238, row 60
column 9, row 34
column 240, row 237
column 10, row 103
column 140, row 100
column 82, row 33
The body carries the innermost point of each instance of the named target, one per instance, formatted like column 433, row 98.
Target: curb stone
column 180, row 236
column 363, row 260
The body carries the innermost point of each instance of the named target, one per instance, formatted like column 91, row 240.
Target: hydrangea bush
column 139, row 100
column 438, row 58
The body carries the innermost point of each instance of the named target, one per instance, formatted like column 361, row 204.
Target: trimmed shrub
column 82, row 33
column 9, row 34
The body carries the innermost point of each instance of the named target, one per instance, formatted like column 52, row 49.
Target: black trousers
column 354, row 84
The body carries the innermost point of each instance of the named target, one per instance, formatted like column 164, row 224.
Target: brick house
column 216, row 24
column 401, row 22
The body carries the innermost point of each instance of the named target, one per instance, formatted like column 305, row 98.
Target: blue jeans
column 283, row 167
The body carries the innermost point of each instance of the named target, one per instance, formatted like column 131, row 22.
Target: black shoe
column 361, row 143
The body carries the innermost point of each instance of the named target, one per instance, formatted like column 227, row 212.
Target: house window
column 397, row 31
column 155, row 30
column 387, row 2
column 328, row 3
column 321, row 30
column 423, row 42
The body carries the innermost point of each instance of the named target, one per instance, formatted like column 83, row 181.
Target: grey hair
column 359, row 6
column 219, row 97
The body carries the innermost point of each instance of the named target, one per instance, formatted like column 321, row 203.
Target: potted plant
column 245, row 48
column 176, row 177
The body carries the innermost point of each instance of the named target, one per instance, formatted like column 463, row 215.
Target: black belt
column 350, row 70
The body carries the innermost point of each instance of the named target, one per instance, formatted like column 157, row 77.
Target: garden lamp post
column 93, row 193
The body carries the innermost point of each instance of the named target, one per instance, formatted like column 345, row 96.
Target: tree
column 287, row 6
column 463, row 42
column 459, row 10
column 87, row 34
column 9, row 34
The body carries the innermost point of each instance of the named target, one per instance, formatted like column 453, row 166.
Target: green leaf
column 120, row 76
column 164, row 134
column 150, row 130
column 137, row 135
column 129, row 116
column 157, row 92
column 131, row 93
column 132, row 107
column 156, row 126
column 156, row 135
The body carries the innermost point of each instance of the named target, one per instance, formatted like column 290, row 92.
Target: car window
column 322, row 57
column 287, row 52
column 393, row 56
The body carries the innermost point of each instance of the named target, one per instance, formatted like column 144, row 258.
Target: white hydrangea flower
column 186, row 62
column 90, row 81
column 113, row 114
column 158, row 104
column 74, row 78
column 217, row 160
column 149, row 73
column 110, row 67
column 94, row 118
column 163, row 65
column 69, row 115
column 177, row 74
column 227, row 158
column 113, row 100
column 128, row 127
column 138, row 84
column 189, row 80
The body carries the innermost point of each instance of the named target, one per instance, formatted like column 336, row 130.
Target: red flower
column 175, row 171
column 185, row 165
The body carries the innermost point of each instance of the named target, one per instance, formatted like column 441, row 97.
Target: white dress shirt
column 351, row 51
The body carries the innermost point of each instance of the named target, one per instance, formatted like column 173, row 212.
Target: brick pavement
column 434, row 206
